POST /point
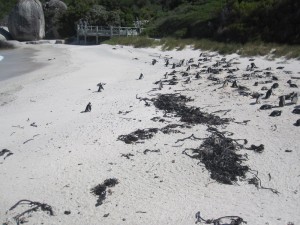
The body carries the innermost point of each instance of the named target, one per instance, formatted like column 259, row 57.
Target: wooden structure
column 99, row 31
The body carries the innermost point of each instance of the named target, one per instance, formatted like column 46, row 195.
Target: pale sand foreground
column 71, row 152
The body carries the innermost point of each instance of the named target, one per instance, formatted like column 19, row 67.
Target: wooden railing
column 100, row 31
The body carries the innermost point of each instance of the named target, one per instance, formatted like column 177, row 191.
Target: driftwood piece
column 31, row 139
column 148, row 150
column 224, row 220
column 192, row 137
column 257, row 183
column 128, row 155
column 225, row 111
column 34, row 207
column 146, row 100
column 258, row 149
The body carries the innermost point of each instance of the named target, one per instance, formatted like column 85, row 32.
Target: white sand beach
column 59, row 154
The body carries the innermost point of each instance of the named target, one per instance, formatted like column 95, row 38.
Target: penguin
column 275, row 85
column 258, row 98
column 234, row 84
column 275, row 113
column 282, row 101
column 100, row 87
column 141, row 76
column 294, row 98
column 166, row 75
column 253, row 66
column 88, row 108
column 292, row 85
column 160, row 85
column 188, row 80
column 268, row 94
column 209, row 70
column 225, row 84
column 182, row 62
column 167, row 62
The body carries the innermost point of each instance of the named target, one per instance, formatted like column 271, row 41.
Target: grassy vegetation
column 137, row 42
column 248, row 49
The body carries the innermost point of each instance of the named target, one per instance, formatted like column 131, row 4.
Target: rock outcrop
column 26, row 21
column 53, row 10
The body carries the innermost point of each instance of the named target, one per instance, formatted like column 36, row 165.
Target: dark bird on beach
column 188, row 80
column 234, row 84
column 294, row 98
column 275, row 85
column 253, row 66
column 264, row 88
column 167, row 62
column 275, row 113
column 258, row 98
column 282, row 101
column 225, row 84
column 291, row 84
column 100, row 87
column 268, row 94
column 88, row 108
column 160, row 85
column 141, row 76
column 197, row 76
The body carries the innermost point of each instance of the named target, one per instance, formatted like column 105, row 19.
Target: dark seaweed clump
column 100, row 189
column 138, row 135
column 218, row 154
column 173, row 103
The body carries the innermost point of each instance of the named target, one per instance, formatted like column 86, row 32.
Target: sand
column 19, row 56
column 59, row 154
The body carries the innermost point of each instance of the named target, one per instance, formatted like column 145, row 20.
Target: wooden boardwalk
column 99, row 31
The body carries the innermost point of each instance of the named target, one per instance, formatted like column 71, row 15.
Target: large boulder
column 54, row 10
column 26, row 21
